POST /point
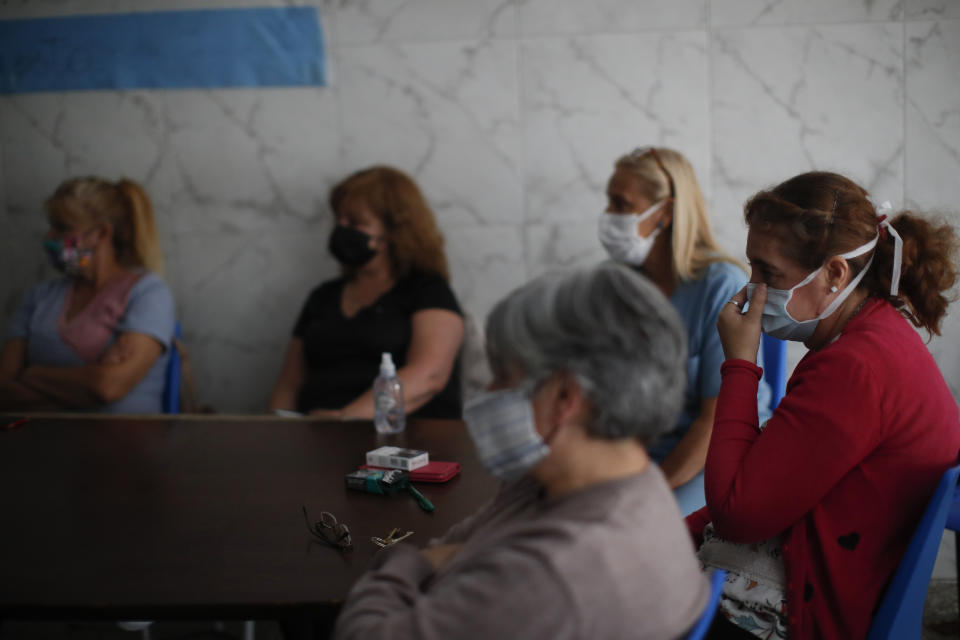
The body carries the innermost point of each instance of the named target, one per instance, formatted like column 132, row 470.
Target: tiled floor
column 940, row 615
column 941, row 622
column 12, row 630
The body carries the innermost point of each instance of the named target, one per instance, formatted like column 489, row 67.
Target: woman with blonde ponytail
column 138, row 244
column 656, row 221
column 96, row 338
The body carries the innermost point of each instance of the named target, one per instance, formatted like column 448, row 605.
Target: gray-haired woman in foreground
column 584, row 539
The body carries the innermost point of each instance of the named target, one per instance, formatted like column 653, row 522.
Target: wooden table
column 178, row 517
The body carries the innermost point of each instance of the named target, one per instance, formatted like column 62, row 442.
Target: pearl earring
column 833, row 289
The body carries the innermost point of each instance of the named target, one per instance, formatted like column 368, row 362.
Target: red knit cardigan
column 843, row 469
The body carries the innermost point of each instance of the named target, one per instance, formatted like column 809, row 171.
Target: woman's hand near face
column 740, row 332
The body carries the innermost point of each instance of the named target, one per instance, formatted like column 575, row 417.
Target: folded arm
column 14, row 395
column 696, row 522
column 434, row 344
column 759, row 484
column 690, row 455
column 90, row 386
column 401, row 597
column 287, row 386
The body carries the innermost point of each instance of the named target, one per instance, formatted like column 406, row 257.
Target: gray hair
column 611, row 329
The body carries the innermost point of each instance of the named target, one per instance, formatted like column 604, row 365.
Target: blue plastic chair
column 953, row 524
column 700, row 629
column 171, row 389
column 774, row 367
column 900, row 615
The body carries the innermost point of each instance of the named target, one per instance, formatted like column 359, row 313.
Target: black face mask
column 351, row 247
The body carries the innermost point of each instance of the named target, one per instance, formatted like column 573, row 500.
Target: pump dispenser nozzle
column 387, row 368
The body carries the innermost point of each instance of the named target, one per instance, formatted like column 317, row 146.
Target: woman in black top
column 392, row 297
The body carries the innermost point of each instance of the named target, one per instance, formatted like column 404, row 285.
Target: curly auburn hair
column 414, row 240
column 819, row 214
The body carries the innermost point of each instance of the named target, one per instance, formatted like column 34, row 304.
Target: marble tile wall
column 509, row 113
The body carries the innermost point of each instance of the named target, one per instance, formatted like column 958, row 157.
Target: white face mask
column 503, row 430
column 778, row 322
column 618, row 235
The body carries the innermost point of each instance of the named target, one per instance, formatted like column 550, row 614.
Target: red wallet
column 434, row 471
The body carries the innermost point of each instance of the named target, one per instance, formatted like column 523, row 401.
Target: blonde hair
column 665, row 173
column 413, row 237
column 91, row 201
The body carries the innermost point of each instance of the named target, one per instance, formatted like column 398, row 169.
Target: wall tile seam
column 626, row 32
column 711, row 100
column 903, row 112
column 933, row 20
column 522, row 168
column 800, row 23
column 724, row 29
column 811, row 25
column 523, row 38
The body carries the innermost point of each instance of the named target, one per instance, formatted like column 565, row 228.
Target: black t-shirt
column 343, row 354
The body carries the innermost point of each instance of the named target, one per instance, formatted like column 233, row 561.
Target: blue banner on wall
column 264, row 47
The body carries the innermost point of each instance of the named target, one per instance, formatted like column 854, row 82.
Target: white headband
column 883, row 212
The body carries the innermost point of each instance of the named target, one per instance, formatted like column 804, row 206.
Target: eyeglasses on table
column 329, row 531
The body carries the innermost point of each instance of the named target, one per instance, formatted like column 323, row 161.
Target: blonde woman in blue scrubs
column 656, row 221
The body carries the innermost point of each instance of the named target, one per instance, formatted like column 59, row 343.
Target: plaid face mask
column 503, row 430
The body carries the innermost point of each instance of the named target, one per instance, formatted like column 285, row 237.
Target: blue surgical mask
column 618, row 235
column 778, row 322
column 503, row 430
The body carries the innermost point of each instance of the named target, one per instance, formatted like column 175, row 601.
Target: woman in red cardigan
column 812, row 511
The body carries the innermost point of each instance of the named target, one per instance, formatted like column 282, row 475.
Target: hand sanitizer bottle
column 388, row 414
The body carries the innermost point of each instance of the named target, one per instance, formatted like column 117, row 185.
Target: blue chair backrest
column 774, row 367
column 953, row 516
column 901, row 610
column 171, row 389
column 700, row 629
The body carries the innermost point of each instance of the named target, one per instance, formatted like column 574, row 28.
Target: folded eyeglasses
column 329, row 531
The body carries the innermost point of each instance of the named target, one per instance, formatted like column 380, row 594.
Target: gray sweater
column 610, row 561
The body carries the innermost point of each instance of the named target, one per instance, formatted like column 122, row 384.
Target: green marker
column 425, row 504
